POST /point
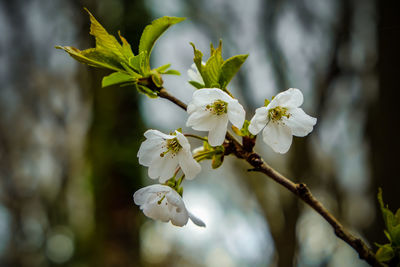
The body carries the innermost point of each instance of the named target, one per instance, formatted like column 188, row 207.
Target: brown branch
column 300, row 190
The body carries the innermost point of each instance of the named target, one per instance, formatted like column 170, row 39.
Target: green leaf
column 126, row 47
column 108, row 52
column 198, row 57
column 172, row 72
column 153, row 31
column 211, row 71
column 163, row 68
column 385, row 253
column 117, row 78
column 196, row 84
column 106, row 41
column 230, row 67
column 397, row 216
column 94, row 57
column 388, row 216
column 395, row 234
column 144, row 90
column 135, row 62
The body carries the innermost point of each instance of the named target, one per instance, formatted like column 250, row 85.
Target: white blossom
column 210, row 110
column 281, row 119
column 162, row 153
column 161, row 202
column 194, row 74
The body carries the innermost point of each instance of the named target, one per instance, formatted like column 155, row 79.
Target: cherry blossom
column 281, row 119
column 161, row 202
column 162, row 153
column 210, row 110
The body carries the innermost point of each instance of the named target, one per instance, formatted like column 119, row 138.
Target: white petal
column 291, row 98
column 259, row 120
column 157, row 211
column 300, row 123
column 163, row 167
column 209, row 95
column 278, row 136
column 196, row 220
column 150, row 149
column 179, row 217
column 150, row 134
column 216, row 135
column 182, row 140
column 141, row 195
column 190, row 167
column 236, row 113
column 202, row 120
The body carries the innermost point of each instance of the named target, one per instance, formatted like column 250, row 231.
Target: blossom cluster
column 210, row 110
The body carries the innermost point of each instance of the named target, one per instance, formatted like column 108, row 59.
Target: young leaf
column 196, row 84
column 153, row 31
column 94, row 57
column 172, row 72
column 104, row 40
column 198, row 56
column 163, row 68
column 230, row 67
column 126, row 47
column 117, row 78
column 385, row 253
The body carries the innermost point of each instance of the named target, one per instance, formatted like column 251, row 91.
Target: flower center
column 173, row 146
column 219, row 107
column 276, row 114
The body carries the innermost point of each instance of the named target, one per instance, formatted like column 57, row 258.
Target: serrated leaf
column 229, row 69
column 385, row 253
column 395, row 234
column 197, row 59
column 388, row 216
column 135, row 62
column 196, row 84
column 126, row 47
column 94, row 57
column 104, row 40
column 212, row 71
column 397, row 216
column 153, row 31
column 117, row 78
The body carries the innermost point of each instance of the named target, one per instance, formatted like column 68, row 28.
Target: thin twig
column 300, row 190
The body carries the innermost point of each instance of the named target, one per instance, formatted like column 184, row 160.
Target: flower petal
column 202, row 120
column 291, row 98
column 150, row 149
column 259, row 120
column 300, row 123
column 278, row 137
column 150, row 134
column 179, row 217
column 182, row 140
column 190, row 167
column 236, row 113
column 216, row 135
column 209, row 95
column 196, row 220
column 163, row 167
column 194, row 74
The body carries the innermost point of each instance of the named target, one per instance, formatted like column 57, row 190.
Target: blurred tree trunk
column 114, row 140
column 383, row 115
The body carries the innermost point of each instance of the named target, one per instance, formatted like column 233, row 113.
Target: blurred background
column 68, row 165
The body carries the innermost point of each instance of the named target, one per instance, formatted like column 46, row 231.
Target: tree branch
column 300, row 190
